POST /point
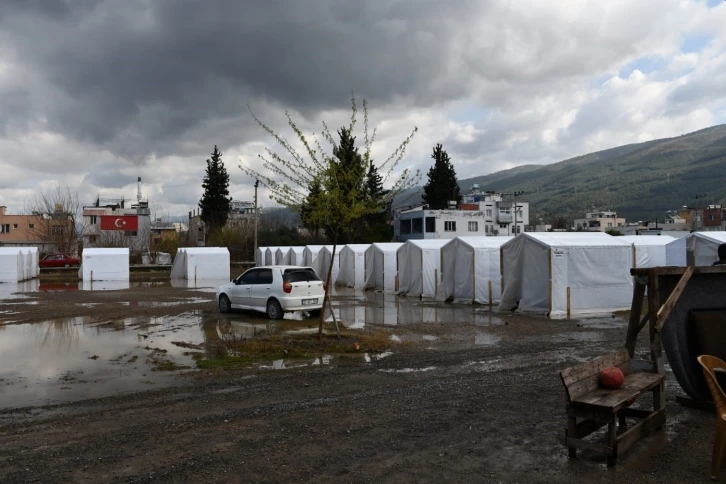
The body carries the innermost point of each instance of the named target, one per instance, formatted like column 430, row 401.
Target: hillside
column 640, row 181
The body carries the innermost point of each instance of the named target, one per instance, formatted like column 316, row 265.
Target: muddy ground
column 469, row 397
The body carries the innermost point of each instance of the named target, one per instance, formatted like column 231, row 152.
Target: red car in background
column 59, row 260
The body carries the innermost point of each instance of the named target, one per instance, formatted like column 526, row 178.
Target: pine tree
column 307, row 207
column 348, row 164
column 442, row 186
column 374, row 182
column 215, row 202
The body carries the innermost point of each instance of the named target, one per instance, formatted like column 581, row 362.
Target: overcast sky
column 94, row 93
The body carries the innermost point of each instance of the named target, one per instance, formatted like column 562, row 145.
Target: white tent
column 567, row 273
column 260, row 256
column 311, row 255
column 200, row 263
column 324, row 263
column 270, row 255
column 12, row 268
column 419, row 267
column 281, row 256
column 32, row 268
column 295, row 256
column 353, row 266
column 648, row 250
column 105, row 264
column 382, row 266
column 471, row 269
column 698, row 249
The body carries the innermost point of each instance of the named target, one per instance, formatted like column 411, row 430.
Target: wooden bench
column 597, row 407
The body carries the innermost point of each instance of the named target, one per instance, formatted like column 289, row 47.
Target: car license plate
column 309, row 302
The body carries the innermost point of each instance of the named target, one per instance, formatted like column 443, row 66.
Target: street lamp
column 695, row 219
column 515, row 195
column 257, row 184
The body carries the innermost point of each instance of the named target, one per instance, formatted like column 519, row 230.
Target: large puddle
column 76, row 358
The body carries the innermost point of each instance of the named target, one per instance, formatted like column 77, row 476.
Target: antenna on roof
column 138, row 190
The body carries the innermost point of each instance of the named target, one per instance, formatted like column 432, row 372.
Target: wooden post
column 636, row 309
column 656, row 349
column 549, row 260
column 568, row 303
column 395, row 283
column 490, row 294
column 670, row 303
column 195, row 276
column 635, row 258
column 473, row 274
column 91, row 276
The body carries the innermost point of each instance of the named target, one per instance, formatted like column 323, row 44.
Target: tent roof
column 647, row 239
column 206, row 250
column 273, row 249
column 314, row 248
column 107, row 251
column 388, row 246
column 575, row 239
column 718, row 237
column 357, row 248
column 428, row 243
column 484, row 242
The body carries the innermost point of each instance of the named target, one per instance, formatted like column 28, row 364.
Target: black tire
column 315, row 313
column 274, row 310
column 225, row 305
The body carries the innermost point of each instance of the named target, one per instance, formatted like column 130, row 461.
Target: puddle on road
column 486, row 339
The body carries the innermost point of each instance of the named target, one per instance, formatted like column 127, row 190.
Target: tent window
column 418, row 225
column 406, row 226
column 473, row 226
column 430, row 224
column 450, row 226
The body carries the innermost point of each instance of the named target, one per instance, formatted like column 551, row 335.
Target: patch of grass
column 167, row 365
column 238, row 353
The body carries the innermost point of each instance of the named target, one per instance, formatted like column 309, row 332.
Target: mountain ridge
column 640, row 181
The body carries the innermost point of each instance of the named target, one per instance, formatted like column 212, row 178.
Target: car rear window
column 299, row 275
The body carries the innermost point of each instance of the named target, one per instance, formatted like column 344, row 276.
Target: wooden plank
column 635, row 385
column 582, row 387
column 591, row 446
column 656, row 348
column 579, row 372
column 676, row 271
column 670, row 303
column 568, row 303
column 636, row 308
column 641, row 429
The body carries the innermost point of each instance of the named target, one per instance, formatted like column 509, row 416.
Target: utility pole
column 695, row 217
column 257, row 184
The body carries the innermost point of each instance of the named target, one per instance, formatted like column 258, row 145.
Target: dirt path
column 455, row 413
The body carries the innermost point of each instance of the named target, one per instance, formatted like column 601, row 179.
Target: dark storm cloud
column 135, row 75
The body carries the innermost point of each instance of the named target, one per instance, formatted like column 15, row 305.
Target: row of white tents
column 18, row 264
column 557, row 273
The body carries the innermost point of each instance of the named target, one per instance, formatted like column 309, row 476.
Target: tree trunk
column 328, row 288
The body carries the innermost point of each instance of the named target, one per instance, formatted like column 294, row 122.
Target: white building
column 599, row 222
column 478, row 215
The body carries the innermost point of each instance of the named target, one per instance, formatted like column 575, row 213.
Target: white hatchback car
column 273, row 290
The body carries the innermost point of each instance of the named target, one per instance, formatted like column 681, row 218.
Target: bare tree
column 59, row 219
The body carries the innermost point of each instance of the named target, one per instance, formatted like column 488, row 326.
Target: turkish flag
column 122, row 222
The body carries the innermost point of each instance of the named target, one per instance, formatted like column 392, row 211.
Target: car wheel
column 315, row 313
column 224, row 305
column 274, row 310
column 67, row 266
